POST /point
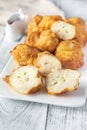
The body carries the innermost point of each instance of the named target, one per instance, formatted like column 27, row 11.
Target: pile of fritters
column 62, row 38
column 51, row 44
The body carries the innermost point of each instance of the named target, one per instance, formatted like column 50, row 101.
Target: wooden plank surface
column 22, row 115
column 63, row 118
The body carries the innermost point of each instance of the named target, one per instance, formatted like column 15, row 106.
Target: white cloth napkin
column 74, row 8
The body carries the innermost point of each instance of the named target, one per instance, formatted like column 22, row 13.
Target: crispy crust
column 6, row 79
column 63, row 91
column 24, row 54
column 47, row 41
column 47, row 21
column 70, row 54
column 32, row 38
column 33, row 24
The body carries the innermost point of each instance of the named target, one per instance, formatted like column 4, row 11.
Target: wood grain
column 63, row 118
column 22, row 115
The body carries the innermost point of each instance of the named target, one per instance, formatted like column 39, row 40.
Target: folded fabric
column 74, row 8
column 30, row 7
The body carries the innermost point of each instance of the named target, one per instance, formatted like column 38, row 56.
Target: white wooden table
column 23, row 115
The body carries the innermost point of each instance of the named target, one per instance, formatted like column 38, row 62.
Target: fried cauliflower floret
column 46, row 63
column 81, row 33
column 47, row 21
column 64, row 31
column 25, row 80
column 47, row 41
column 33, row 24
column 70, row 54
column 24, row 55
column 62, row 81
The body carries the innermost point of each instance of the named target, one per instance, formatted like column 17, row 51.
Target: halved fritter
column 64, row 31
column 62, row 81
column 25, row 80
column 46, row 63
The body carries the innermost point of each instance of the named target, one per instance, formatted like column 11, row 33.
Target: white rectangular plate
column 72, row 99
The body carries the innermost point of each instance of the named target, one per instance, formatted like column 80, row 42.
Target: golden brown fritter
column 24, row 55
column 81, row 33
column 32, row 38
column 47, row 21
column 70, row 54
column 33, row 24
column 39, row 37
column 47, row 41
